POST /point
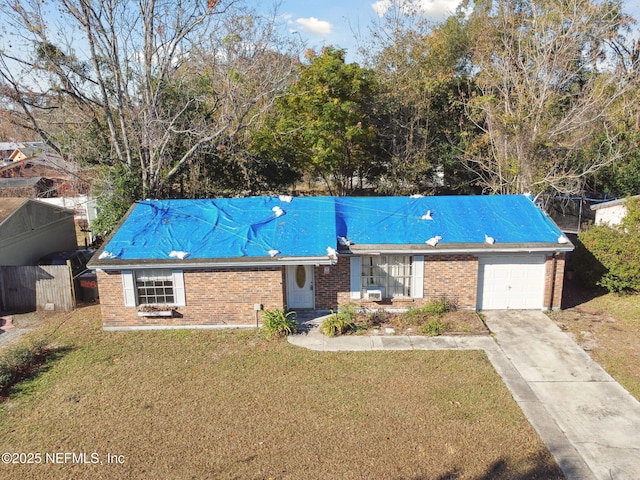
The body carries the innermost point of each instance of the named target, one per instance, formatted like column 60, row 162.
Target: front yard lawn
column 230, row 404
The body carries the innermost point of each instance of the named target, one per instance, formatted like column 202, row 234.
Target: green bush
column 7, row 375
column 17, row 362
column 277, row 323
column 349, row 311
column 618, row 251
column 422, row 315
column 340, row 322
column 439, row 306
column 433, row 328
column 586, row 267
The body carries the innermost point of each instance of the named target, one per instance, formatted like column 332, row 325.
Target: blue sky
column 340, row 22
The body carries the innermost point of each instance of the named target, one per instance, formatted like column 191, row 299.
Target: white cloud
column 313, row 25
column 430, row 8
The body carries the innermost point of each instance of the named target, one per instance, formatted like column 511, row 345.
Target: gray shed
column 30, row 229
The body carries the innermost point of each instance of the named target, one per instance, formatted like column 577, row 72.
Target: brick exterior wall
column 227, row 296
column 213, row 297
column 453, row 276
column 554, row 281
column 332, row 284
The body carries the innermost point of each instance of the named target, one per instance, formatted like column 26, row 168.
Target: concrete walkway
column 590, row 424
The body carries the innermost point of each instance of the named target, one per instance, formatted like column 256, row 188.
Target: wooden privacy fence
column 42, row 287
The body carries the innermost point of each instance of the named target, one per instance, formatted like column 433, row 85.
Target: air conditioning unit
column 374, row 294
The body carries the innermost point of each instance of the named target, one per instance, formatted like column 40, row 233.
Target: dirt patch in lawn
column 608, row 328
column 229, row 404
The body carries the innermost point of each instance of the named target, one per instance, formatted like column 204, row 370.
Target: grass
column 230, row 404
column 608, row 327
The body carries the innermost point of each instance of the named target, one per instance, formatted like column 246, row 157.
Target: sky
column 341, row 22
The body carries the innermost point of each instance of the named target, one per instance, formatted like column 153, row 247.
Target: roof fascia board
column 385, row 250
column 613, row 203
column 246, row 262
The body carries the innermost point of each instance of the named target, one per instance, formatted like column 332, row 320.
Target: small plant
column 339, row 323
column 277, row 323
column 349, row 310
column 423, row 315
column 156, row 308
column 433, row 328
column 439, row 306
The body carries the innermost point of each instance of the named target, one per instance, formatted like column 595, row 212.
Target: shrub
column 433, row 328
column 338, row 323
column 17, row 362
column 618, row 250
column 278, row 323
column 7, row 375
column 586, row 267
column 18, row 358
column 439, row 306
column 421, row 315
column 349, row 311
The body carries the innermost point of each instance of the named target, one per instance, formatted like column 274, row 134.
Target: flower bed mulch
column 458, row 322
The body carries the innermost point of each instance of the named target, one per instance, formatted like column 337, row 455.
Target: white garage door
column 514, row 281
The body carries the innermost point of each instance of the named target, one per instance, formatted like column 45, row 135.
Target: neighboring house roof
column 6, row 146
column 29, row 149
column 19, row 182
column 49, row 160
column 280, row 230
column 612, row 203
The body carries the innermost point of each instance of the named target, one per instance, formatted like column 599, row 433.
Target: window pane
column 392, row 273
column 154, row 287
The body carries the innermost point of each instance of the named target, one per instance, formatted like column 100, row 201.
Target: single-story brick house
column 215, row 262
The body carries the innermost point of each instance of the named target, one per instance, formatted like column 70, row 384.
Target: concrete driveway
column 584, row 416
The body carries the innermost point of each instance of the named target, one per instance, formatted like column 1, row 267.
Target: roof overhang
column 612, row 203
column 209, row 263
column 444, row 248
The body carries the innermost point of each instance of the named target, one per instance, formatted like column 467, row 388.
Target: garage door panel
column 511, row 282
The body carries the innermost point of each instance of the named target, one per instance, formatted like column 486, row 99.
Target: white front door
column 300, row 286
column 514, row 281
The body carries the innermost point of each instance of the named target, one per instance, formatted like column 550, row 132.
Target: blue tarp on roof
column 457, row 219
column 225, row 228
column 306, row 226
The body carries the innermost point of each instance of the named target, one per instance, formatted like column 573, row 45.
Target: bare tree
column 550, row 93
column 147, row 83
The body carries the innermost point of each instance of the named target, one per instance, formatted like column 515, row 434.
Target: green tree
column 622, row 177
column 423, row 72
column 326, row 119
